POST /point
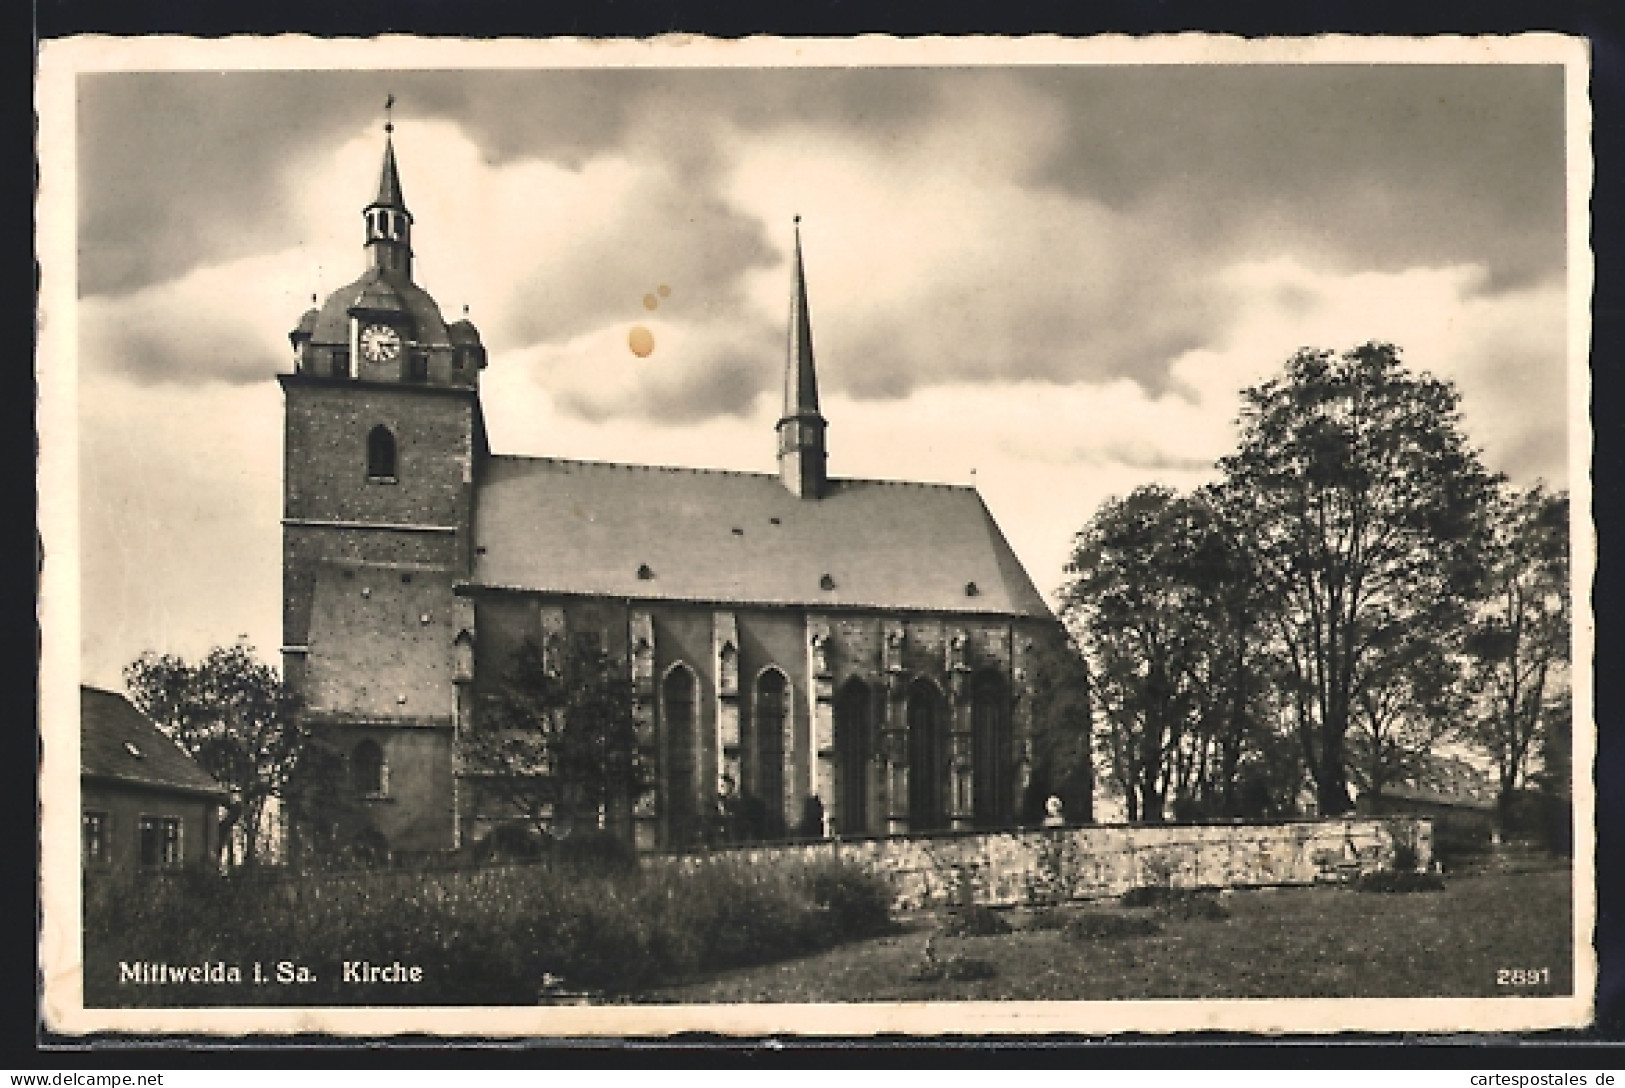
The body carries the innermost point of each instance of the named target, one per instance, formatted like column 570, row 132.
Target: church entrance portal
column 925, row 757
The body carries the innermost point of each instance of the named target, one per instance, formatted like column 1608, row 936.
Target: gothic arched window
column 854, row 741
column 380, row 454
column 368, row 771
column 682, row 737
column 926, row 763
column 992, row 785
column 764, row 776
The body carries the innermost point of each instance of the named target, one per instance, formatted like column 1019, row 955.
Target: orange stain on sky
column 650, row 302
column 641, row 341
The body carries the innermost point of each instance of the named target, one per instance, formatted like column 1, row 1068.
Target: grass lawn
column 1285, row 942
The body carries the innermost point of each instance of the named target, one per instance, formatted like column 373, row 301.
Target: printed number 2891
column 1518, row 976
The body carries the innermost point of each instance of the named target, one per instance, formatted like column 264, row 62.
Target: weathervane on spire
column 389, row 118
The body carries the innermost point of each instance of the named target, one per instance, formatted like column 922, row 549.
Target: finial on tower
column 389, row 116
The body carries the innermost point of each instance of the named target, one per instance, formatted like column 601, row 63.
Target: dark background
column 26, row 1046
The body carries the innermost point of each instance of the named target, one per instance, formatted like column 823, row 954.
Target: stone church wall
column 328, row 426
column 415, row 811
column 1017, row 868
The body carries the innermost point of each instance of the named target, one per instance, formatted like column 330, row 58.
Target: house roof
column 587, row 527
column 116, row 741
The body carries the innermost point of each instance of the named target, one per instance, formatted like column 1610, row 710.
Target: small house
column 144, row 803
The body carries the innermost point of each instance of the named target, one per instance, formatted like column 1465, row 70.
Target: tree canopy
column 1353, row 590
column 232, row 713
column 554, row 742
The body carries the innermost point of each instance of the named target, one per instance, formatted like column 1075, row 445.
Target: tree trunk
column 1331, row 781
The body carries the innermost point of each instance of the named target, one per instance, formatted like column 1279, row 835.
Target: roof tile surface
column 117, row 741
column 589, row 527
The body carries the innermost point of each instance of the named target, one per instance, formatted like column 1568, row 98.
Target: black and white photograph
column 567, row 538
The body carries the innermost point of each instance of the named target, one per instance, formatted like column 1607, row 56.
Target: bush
column 1105, row 926
column 975, row 921
column 596, row 853
column 1146, row 895
column 482, row 936
column 1187, row 904
column 1457, row 839
column 1047, row 918
column 949, row 968
column 510, row 842
column 1399, row 881
column 856, row 902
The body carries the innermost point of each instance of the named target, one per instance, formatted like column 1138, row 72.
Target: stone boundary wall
column 1010, row 868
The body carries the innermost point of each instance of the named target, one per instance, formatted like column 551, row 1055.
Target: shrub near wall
column 484, row 936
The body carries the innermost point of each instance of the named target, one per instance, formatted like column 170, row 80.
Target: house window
column 418, row 366
column 96, row 838
column 341, row 362
column 380, row 454
column 160, row 840
column 368, row 771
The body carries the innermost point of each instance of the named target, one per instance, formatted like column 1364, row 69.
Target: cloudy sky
column 1051, row 281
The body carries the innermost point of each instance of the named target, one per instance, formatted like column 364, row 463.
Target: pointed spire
column 801, row 429
column 389, row 224
column 800, row 375
column 389, row 179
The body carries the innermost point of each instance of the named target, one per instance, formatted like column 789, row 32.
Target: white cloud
column 1019, row 331
column 180, row 499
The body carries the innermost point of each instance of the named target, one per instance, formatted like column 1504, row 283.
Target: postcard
column 815, row 537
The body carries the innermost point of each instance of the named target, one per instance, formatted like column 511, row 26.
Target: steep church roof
column 118, row 742
column 586, row 527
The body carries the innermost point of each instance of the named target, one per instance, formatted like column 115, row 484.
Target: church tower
column 801, row 429
column 383, row 442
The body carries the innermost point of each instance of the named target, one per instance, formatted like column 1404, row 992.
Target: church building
column 789, row 635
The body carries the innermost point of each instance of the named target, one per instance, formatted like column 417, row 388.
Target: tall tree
column 1412, row 700
column 1518, row 641
column 231, row 713
column 555, row 741
column 1129, row 601
column 1061, row 763
column 1366, row 519
column 1230, row 661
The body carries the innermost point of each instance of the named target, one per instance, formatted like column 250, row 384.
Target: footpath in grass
column 1286, row 942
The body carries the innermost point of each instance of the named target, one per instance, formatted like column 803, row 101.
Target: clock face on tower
column 380, row 343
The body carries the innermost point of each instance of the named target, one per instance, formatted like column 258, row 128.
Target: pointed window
column 764, row 773
column 380, row 454
column 682, row 750
column 992, row 785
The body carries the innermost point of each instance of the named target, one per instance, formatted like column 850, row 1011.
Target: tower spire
column 389, row 224
column 801, row 429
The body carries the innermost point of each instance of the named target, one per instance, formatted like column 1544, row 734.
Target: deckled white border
column 61, row 61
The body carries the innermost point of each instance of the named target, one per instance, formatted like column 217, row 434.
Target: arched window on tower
column 380, row 454
column 369, row 774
